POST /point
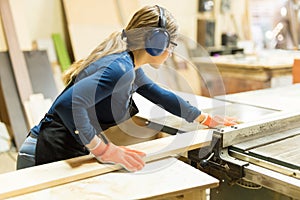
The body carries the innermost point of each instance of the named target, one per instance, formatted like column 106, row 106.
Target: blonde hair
column 147, row 16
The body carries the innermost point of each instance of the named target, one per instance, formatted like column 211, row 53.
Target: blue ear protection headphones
column 158, row 39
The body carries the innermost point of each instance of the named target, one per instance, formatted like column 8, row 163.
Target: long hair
column 146, row 17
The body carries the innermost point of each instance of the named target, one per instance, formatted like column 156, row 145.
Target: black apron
column 55, row 142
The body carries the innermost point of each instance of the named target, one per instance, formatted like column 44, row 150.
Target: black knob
column 205, row 162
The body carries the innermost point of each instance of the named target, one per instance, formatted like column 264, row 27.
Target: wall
column 36, row 19
column 40, row 18
column 185, row 14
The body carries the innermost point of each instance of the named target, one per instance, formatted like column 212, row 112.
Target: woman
column 98, row 96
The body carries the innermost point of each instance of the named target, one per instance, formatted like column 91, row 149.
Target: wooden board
column 17, row 58
column 52, row 174
column 95, row 22
column 161, row 179
column 3, row 46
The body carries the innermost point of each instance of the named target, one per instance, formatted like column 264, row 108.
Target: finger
column 140, row 153
column 128, row 166
column 218, row 118
column 135, row 160
column 230, row 118
column 123, row 162
column 229, row 123
column 226, row 121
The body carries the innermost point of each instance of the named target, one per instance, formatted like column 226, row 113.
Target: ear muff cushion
column 157, row 41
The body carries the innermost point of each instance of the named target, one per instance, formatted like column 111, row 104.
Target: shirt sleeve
column 165, row 98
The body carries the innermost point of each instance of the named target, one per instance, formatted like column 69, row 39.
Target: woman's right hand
column 131, row 160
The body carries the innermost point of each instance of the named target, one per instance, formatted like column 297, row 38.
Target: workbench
column 164, row 179
column 239, row 73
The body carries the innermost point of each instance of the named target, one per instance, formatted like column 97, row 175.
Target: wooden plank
column 95, row 22
column 57, row 173
column 16, row 55
column 3, row 46
column 163, row 179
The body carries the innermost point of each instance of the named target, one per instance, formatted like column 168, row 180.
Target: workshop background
column 254, row 45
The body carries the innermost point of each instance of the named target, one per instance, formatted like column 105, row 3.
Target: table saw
column 259, row 154
column 262, row 152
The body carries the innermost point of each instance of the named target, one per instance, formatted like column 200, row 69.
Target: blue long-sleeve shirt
column 101, row 95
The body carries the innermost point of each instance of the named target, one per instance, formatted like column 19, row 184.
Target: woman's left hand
column 217, row 120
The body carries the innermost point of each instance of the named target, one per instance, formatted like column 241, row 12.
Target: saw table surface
column 286, row 150
column 285, row 98
column 151, row 111
column 154, row 113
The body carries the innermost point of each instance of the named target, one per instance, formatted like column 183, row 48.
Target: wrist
column 207, row 121
column 202, row 117
column 100, row 150
column 96, row 146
